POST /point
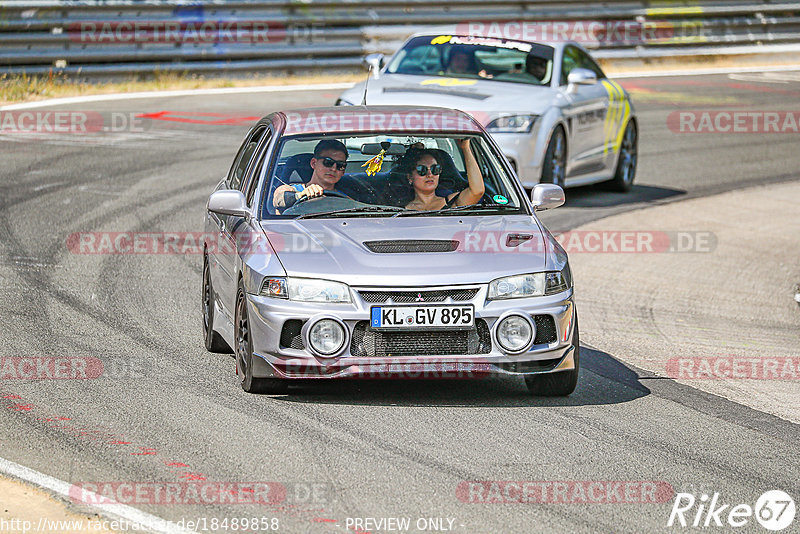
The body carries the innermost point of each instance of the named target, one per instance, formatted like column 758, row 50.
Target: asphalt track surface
column 171, row 412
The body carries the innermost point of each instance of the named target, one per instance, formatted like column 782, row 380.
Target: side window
column 576, row 58
column 570, row 61
column 255, row 176
column 246, row 151
column 586, row 62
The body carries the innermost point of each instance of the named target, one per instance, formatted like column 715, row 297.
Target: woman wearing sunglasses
column 422, row 170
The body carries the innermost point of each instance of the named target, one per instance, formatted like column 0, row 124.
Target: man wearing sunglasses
column 329, row 163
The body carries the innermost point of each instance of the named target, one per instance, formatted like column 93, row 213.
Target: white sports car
column 554, row 113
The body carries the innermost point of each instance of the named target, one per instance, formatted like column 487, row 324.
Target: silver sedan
column 384, row 242
column 554, row 113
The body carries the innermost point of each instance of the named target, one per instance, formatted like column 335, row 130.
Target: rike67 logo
column 774, row 510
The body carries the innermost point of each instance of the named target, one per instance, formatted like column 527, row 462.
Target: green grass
column 23, row 87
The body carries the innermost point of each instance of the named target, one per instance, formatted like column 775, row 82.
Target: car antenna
column 366, row 84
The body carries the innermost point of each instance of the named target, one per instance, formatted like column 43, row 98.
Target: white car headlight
column 305, row 290
column 512, row 124
column 343, row 102
column 529, row 285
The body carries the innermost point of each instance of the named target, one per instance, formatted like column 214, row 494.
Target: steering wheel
column 325, row 193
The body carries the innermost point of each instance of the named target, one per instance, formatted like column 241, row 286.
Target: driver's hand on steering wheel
column 310, row 191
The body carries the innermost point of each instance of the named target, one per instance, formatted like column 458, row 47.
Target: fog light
column 514, row 333
column 326, row 337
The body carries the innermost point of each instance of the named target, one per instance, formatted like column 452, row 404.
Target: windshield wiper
column 354, row 211
column 475, row 207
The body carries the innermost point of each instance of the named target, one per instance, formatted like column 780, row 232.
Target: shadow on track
column 603, row 380
column 594, row 196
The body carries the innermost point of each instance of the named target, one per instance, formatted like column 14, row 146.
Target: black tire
column 554, row 169
column 244, row 354
column 558, row 384
column 212, row 340
column 626, row 162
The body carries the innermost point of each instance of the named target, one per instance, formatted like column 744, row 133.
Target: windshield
column 475, row 58
column 327, row 176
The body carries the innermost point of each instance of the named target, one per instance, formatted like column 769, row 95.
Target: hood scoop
column 410, row 246
column 428, row 89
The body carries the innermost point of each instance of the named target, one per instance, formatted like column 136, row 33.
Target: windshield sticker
column 448, row 82
column 442, row 39
column 500, row 199
column 497, row 43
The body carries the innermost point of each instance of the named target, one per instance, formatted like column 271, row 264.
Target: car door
column 225, row 253
column 586, row 113
column 247, row 233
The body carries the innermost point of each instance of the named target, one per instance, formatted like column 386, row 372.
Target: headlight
column 514, row 333
column 274, row 287
column 342, row 102
column 529, row 285
column 305, row 290
column 512, row 124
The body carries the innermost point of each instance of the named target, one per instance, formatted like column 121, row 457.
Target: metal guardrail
column 112, row 37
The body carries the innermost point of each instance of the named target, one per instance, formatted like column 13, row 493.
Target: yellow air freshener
column 374, row 164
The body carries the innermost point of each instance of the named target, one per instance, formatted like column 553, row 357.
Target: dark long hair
column 405, row 165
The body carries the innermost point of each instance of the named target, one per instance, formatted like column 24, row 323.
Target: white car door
column 587, row 113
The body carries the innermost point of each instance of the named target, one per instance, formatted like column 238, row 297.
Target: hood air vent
column 409, row 246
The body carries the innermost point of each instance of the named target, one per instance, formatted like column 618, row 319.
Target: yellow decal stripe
column 610, row 114
column 624, row 112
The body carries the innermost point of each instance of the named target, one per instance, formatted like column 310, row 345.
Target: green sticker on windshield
column 500, row 199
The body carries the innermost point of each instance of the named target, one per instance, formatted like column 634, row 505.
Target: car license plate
column 422, row 317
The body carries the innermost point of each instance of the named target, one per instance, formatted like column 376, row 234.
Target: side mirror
column 374, row 63
column 580, row 77
column 228, row 202
column 546, row 196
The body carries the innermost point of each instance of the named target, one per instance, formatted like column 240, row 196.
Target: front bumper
column 274, row 356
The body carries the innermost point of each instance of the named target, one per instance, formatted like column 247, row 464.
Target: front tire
column 554, row 170
column 244, row 354
column 626, row 162
column 561, row 383
column 212, row 340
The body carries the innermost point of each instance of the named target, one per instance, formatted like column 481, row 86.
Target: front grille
column 290, row 335
column 405, row 246
column 436, row 295
column 545, row 329
column 376, row 343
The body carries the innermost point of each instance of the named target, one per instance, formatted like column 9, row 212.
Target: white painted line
column 183, row 92
column 704, row 72
column 346, row 85
column 46, row 186
column 133, row 517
